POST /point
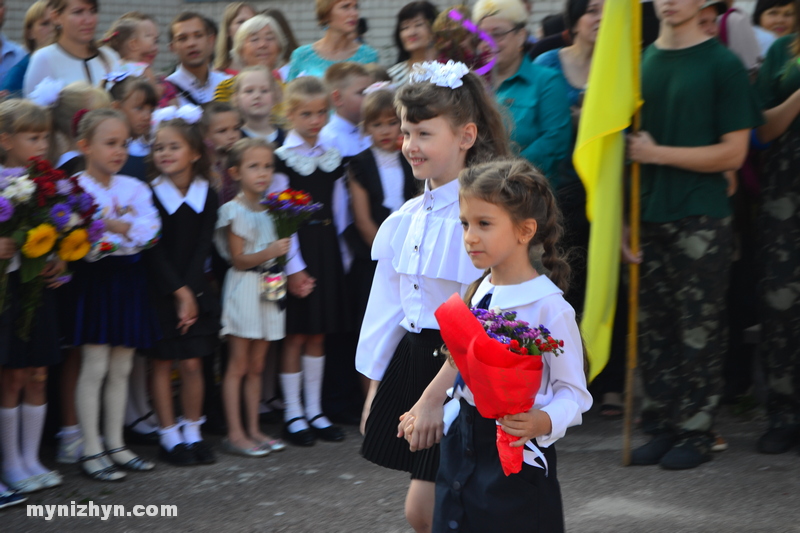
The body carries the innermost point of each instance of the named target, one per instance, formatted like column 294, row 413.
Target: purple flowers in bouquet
column 289, row 209
column 517, row 334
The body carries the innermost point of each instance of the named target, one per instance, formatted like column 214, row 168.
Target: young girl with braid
column 511, row 226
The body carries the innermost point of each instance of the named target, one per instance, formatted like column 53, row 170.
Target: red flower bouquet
column 289, row 209
column 500, row 360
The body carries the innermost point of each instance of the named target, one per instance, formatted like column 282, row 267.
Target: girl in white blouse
column 113, row 314
column 448, row 123
column 511, row 228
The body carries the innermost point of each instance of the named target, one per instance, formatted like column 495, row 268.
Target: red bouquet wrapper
column 502, row 382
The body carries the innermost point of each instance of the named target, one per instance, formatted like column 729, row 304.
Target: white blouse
column 393, row 178
column 421, row 263
column 563, row 394
column 129, row 200
column 55, row 62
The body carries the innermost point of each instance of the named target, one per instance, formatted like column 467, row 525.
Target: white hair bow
column 128, row 69
column 189, row 113
column 46, row 92
column 443, row 75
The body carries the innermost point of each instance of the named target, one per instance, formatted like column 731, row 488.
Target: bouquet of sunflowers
column 45, row 212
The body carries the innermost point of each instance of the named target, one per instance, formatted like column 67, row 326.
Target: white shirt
column 765, row 39
column 129, row 200
column 172, row 199
column 202, row 92
column 563, row 394
column 254, row 135
column 421, row 263
column 55, row 62
column 393, row 178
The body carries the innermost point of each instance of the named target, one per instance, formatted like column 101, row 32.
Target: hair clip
column 46, row 92
column 443, row 75
column 380, row 86
column 108, row 39
column 76, row 120
column 188, row 113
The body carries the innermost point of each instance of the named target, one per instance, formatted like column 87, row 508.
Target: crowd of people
column 448, row 172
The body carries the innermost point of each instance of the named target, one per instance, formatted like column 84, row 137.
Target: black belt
column 322, row 222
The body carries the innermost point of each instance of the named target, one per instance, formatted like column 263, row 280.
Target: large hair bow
column 189, row 113
column 444, row 75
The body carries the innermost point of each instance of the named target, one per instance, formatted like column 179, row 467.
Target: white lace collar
column 171, row 198
column 306, row 164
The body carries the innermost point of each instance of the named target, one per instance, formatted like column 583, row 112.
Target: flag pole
column 633, row 303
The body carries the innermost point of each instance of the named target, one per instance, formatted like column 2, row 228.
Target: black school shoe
column 779, row 440
column 180, row 455
column 304, row 437
column 652, row 452
column 691, row 451
column 203, row 452
column 331, row 433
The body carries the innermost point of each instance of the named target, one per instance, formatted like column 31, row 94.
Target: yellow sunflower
column 74, row 246
column 40, row 241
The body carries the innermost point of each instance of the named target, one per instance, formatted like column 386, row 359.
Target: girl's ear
column 5, row 141
column 116, row 105
column 234, row 173
column 469, row 134
column 526, row 230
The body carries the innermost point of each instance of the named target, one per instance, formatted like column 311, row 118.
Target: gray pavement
column 330, row 488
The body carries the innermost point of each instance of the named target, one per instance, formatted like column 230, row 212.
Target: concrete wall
column 379, row 13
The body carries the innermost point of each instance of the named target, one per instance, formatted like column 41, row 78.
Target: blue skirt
column 112, row 304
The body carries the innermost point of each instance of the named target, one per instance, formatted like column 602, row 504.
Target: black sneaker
column 689, row 452
column 203, row 452
column 652, row 452
column 779, row 440
column 180, row 455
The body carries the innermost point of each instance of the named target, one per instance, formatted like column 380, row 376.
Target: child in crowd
column 252, row 317
column 254, row 91
column 187, row 308
column 448, row 122
column 114, row 316
column 511, row 226
column 24, row 133
column 306, row 163
column 346, row 82
column 222, row 127
column 136, row 98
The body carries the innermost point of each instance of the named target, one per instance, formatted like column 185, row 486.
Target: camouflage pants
column 682, row 324
column 779, row 240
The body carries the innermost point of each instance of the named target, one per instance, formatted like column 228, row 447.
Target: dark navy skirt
column 112, row 304
column 474, row 495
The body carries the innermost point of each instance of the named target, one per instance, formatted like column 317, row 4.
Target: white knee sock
column 116, row 395
column 94, row 366
column 170, row 437
column 138, row 405
column 32, row 418
column 313, row 369
column 13, row 464
column 291, row 384
column 191, row 429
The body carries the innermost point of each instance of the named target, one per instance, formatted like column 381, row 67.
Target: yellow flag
column 612, row 98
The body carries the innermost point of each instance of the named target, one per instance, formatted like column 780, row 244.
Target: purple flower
column 85, row 202
column 60, row 213
column 64, row 187
column 95, row 230
column 12, row 172
column 6, row 209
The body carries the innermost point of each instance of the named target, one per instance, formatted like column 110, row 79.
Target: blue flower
column 60, row 213
column 6, row 209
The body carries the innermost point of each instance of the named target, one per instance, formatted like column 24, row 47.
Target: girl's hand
column 527, row 426
column 117, row 226
column 625, row 248
column 186, row 306
column 278, row 248
column 300, row 284
column 52, row 271
column 8, row 248
column 422, row 426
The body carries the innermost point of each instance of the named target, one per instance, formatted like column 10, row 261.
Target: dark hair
column 210, row 26
column 553, row 24
column 764, row 5
column 123, row 90
column 469, row 103
column 573, row 11
column 291, row 41
column 194, row 138
column 523, row 192
column 215, row 107
column 408, row 12
column 375, row 104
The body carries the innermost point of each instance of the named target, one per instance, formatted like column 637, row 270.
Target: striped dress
column 244, row 313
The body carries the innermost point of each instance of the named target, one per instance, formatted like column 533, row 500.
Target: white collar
column 67, row 156
column 254, row 135
column 170, row 197
column 182, row 74
column 342, row 124
column 511, row 296
column 293, row 140
column 440, row 197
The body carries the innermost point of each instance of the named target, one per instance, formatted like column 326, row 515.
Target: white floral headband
column 443, row 75
column 46, row 92
column 189, row 113
column 129, row 69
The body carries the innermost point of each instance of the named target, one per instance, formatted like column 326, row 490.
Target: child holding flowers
column 24, row 133
column 113, row 314
column 251, row 318
column 511, row 227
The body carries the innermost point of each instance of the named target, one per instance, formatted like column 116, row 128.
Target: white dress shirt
column 55, row 62
column 563, row 394
column 393, row 179
column 202, row 92
column 421, row 263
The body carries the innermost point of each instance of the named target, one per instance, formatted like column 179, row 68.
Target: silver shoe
column 50, row 479
column 25, row 486
column 255, row 451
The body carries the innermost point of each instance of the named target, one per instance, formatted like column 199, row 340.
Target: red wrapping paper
column 502, row 382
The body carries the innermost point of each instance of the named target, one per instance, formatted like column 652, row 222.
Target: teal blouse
column 305, row 61
column 536, row 100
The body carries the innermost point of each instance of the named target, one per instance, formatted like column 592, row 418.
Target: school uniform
column 192, row 90
column 136, row 165
column 276, row 138
column 421, row 263
column 71, row 162
column 472, row 492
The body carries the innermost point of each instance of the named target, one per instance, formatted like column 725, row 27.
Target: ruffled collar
column 171, row 198
column 305, row 164
column 511, row 296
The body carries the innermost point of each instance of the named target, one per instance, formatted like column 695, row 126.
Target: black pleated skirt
column 42, row 348
column 412, row 368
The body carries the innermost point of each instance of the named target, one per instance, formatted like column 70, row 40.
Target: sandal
column 612, row 406
column 109, row 473
column 137, row 464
